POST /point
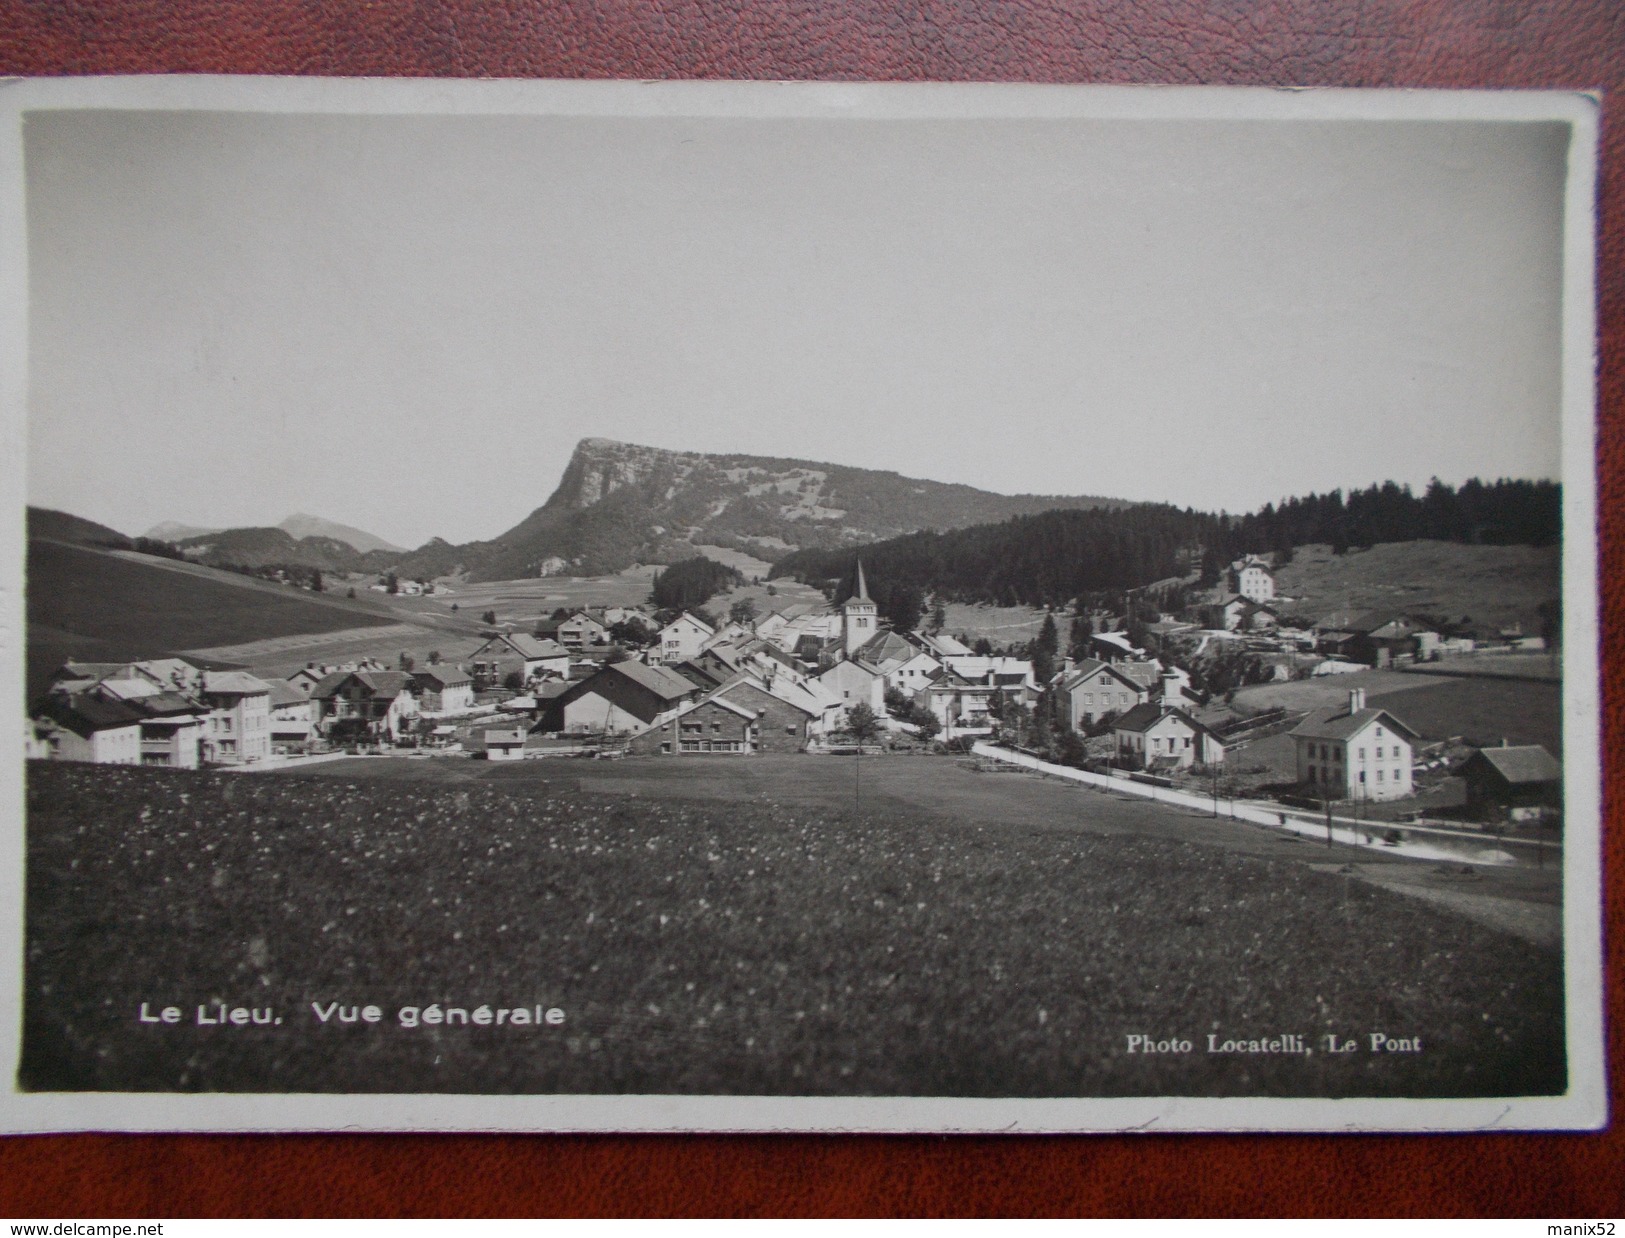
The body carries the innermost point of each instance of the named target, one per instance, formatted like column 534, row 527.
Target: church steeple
column 859, row 621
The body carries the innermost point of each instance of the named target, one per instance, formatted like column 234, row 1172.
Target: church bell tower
column 859, row 621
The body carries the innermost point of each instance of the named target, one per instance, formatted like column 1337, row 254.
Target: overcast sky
column 406, row 323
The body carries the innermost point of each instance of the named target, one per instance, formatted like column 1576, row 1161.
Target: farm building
column 789, row 712
column 621, row 697
column 715, row 725
column 88, row 728
column 1355, row 753
column 1520, row 784
column 1159, row 737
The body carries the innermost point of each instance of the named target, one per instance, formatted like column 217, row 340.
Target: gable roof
column 1340, row 724
column 1521, row 765
column 284, row 693
column 1090, row 667
column 699, row 623
column 234, row 683
column 1144, row 717
column 528, row 646
column 886, row 647
column 662, row 681
column 446, row 675
column 85, row 715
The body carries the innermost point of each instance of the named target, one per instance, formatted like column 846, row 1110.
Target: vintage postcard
column 765, row 606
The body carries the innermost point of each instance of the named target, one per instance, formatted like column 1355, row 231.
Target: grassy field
column 1482, row 710
column 95, row 606
column 1493, row 584
column 733, row 927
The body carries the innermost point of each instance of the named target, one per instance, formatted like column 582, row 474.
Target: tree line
column 1052, row 557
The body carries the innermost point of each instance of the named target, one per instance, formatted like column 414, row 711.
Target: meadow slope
column 760, row 947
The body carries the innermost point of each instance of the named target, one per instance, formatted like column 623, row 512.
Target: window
column 1396, row 776
column 1362, row 775
column 1379, row 775
column 1361, row 754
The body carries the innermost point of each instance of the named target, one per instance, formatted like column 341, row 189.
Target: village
column 631, row 681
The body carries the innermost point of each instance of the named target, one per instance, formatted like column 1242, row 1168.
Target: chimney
column 1356, row 700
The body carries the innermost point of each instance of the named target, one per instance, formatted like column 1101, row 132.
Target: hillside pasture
column 772, row 943
column 91, row 605
column 1494, row 585
column 1482, row 710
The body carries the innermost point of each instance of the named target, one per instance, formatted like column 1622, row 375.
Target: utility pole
column 1326, row 800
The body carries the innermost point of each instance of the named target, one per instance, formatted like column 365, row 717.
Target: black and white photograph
column 760, row 606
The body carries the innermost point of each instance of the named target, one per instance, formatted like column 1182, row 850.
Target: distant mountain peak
column 300, row 525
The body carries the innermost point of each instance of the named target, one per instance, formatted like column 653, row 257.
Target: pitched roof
column 329, row 684
column 234, row 683
column 886, row 647
column 1526, row 763
column 284, row 693
column 528, row 646
column 446, row 675
column 168, row 704
column 699, row 623
column 1144, row 717
column 85, row 715
column 1340, row 724
column 385, row 683
column 1090, row 667
column 663, row 682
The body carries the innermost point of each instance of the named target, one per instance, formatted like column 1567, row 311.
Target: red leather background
column 1471, row 43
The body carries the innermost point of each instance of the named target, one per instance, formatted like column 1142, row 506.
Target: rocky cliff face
column 620, row 503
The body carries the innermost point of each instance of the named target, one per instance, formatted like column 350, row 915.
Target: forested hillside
column 1050, row 558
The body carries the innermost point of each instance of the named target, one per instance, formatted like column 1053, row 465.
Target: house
column 1227, row 614
column 1522, row 783
column 504, row 744
column 376, row 705
column 910, row 676
column 621, row 697
column 681, row 639
column 1157, row 737
column 789, row 714
column 172, row 730
column 443, row 689
column 575, row 632
column 714, row 725
column 1355, row 753
column 238, row 728
column 307, row 677
column 856, row 683
column 89, row 728
column 1253, row 578
column 1093, row 689
column 293, row 718
column 517, row 654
